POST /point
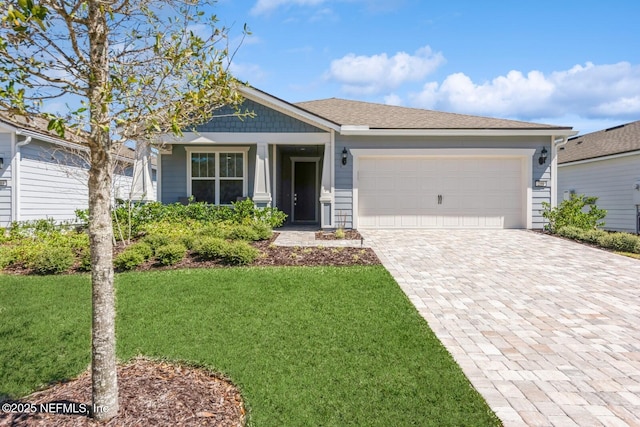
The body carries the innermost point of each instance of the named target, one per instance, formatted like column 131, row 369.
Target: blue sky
column 564, row 62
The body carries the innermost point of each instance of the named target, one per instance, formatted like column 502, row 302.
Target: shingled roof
column 615, row 140
column 380, row 116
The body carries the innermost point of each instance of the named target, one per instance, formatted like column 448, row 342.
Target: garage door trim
column 525, row 153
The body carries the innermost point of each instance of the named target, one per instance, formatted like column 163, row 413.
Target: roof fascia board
column 66, row 144
column 298, row 138
column 51, row 139
column 353, row 131
column 287, row 108
column 601, row 158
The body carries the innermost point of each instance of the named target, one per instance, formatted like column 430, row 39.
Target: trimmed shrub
column 218, row 230
column 154, row 241
column 571, row 232
column 210, row 247
column 593, row 236
column 263, row 230
column 622, row 242
column 52, row 260
column 170, row 254
column 240, row 253
column 133, row 256
column 7, row 257
column 85, row 260
column 128, row 260
column 242, row 232
column 189, row 241
column 233, row 253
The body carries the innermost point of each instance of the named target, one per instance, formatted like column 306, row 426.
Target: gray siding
column 265, row 120
column 611, row 181
column 540, row 194
column 344, row 174
column 53, row 182
column 5, row 175
column 174, row 173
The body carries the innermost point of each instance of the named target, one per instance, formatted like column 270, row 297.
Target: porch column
column 262, row 181
column 326, row 188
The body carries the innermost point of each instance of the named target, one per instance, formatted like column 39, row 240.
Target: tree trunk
column 104, row 377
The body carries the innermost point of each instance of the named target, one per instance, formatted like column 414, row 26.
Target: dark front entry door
column 304, row 191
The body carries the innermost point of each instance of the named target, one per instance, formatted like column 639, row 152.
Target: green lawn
column 306, row 346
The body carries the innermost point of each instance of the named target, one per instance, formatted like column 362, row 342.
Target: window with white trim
column 217, row 177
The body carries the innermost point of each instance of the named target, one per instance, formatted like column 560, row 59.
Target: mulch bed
column 150, row 393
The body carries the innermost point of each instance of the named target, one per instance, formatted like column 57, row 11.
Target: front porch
column 297, row 179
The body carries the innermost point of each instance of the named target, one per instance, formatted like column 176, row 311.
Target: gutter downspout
column 16, row 175
column 556, row 143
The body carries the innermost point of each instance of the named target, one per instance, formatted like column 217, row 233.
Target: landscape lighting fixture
column 543, row 156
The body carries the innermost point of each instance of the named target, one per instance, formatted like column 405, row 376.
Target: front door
column 304, row 191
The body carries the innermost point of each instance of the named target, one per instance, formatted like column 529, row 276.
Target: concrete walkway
column 547, row 330
column 306, row 237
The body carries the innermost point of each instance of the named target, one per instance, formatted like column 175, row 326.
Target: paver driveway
column 547, row 330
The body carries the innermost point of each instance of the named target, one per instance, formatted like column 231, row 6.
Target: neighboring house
column 605, row 164
column 44, row 176
column 338, row 163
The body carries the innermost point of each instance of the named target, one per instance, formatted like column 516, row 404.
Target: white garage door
column 443, row 192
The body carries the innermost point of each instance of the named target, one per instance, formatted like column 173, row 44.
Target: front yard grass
column 328, row 346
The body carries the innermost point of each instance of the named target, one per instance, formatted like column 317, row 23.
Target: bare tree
column 130, row 69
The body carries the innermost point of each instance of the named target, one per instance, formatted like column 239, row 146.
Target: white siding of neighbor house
column 611, row 181
column 5, row 175
column 52, row 184
column 344, row 173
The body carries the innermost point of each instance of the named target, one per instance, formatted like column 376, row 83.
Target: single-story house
column 340, row 163
column 44, row 176
column 605, row 164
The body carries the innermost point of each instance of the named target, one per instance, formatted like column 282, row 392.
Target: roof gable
column 267, row 119
column 607, row 142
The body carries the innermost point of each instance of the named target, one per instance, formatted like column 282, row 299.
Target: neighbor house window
column 217, row 177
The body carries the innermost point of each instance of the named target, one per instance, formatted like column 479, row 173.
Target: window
column 217, row 177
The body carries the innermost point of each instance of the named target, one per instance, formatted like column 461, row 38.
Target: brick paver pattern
column 546, row 329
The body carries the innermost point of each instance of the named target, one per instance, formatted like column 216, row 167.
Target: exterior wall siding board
column 344, row 174
column 5, row 175
column 611, row 180
column 266, row 120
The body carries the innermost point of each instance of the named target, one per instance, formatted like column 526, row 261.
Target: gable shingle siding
column 266, row 120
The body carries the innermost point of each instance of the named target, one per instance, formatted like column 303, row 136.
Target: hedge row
column 621, row 242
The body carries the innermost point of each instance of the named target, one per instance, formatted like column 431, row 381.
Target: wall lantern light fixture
column 1, row 162
column 344, row 156
column 543, row 156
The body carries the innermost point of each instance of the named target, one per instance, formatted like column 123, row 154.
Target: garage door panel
column 475, row 193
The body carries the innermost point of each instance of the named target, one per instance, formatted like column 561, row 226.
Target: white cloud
column 267, row 6
column 378, row 73
column 250, row 73
column 393, row 99
column 596, row 91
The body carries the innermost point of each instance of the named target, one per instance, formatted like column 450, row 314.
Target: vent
column 579, row 142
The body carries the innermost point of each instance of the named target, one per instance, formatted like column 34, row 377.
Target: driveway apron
column 547, row 330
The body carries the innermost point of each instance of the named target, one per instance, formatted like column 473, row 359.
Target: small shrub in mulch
column 171, row 253
column 151, row 393
column 52, row 260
